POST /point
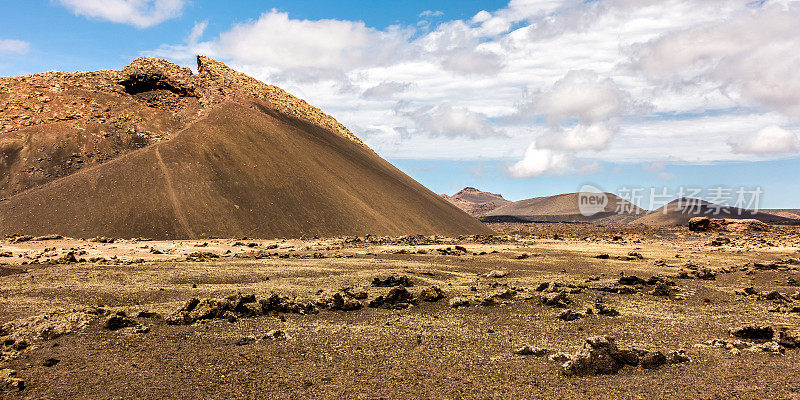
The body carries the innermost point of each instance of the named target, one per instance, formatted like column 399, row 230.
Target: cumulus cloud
column 753, row 54
column 139, row 13
column 468, row 62
column 11, row 46
column 582, row 95
column 385, row 89
column 578, row 137
column 610, row 80
column 431, row 14
column 276, row 40
column 581, row 110
column 770, row 140
column 538, row 161
column 446, row 120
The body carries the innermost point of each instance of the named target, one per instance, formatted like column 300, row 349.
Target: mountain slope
column 476, row 202
column 232, row 157
column 562, row 208
column 53, row 124
column 680, row 211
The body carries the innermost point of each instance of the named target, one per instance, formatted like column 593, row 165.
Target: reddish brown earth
column 421, row 349
column 476, row 202
column 235, row 157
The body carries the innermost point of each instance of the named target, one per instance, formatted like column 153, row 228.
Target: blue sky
column 521, row 97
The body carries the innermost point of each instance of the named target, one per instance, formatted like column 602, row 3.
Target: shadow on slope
column 238, row 172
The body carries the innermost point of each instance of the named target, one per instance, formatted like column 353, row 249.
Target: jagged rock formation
column 156, row 151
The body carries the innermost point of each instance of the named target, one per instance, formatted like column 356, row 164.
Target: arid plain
column 526, row 313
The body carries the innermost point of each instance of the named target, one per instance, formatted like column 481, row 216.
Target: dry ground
column 428, row 350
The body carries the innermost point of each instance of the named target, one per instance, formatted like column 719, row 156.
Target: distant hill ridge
column 565, row 208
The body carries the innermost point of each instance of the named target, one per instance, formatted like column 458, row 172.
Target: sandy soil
column 59, row 297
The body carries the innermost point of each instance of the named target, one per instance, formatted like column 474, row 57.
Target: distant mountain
column 563, row 208
column 476, row 202
column 784, row 212
column 680, row 211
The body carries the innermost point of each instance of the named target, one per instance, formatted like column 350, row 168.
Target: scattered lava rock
column 118, row 321
column 788, row 340
column 559, row 299
column 276, row 334
column 720, row 241
column 245, row 341
column 496, row 274
column 569, row 315
column 699, row 224
column 398, row 298
column 528, row 350
column 632, row 280
column 661, row 289
column 9, row 380
column 337, row 302
column 457, row 302
column 753, row 332
column 652, row 359
column 392, row 280
column 678, row 357
column 236, row 306
column 432, row 293
column 147, row 314
column 49, row 362
column 602, row 309
column 200, row 256
column 599, row 355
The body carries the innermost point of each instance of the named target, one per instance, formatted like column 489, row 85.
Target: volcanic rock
column 432, row 293
column 528, row 350
column 392, row 280
column 753, row 332
column 599, row 355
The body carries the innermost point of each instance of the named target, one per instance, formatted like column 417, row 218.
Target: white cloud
column 139, row 13
column 197, row 32
column 11, row 46
column 277, row 41
column 445, row 120
column 579, row 137
column 612, row 80
column 582, row 95
column 385, row 89
column 538, row 162
column 466, row 61
column 753, row 54
column 770, row 140
column 431, row 14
